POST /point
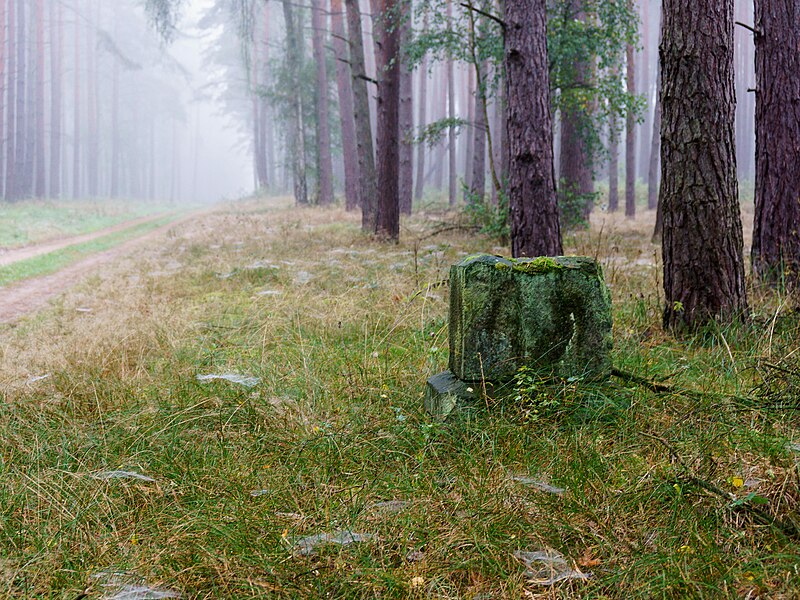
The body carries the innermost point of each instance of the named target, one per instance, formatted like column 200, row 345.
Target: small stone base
column 444, row 393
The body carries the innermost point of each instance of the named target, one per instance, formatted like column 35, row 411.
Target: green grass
column 336, row 425
column 38, row 220
column 51, row 262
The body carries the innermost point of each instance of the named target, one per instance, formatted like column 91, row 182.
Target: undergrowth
column 342, row 332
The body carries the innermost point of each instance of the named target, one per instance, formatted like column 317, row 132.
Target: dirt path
column 13, row 255
column 31, row 295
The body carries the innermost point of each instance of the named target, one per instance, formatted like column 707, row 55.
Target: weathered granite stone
column 550, row 314
column 444, row 393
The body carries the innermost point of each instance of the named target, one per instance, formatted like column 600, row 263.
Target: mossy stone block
column 444, row 393
column 551, row 314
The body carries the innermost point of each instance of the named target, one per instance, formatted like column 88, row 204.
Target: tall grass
column 342, row 333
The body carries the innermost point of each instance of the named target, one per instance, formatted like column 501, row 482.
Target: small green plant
column 529, row 390
column 491, row 218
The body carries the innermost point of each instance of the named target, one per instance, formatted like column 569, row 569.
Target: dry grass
column 342, row 333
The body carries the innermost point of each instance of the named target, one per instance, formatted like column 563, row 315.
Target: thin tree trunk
column 613, row 166
column 471, row 95
column 630, row 134
column 387, row 223
column 92, row 108
column 344, row 86
column 40, row 189
column 451, row 114
column 115, row 130
column 21, row 75
column 655, row 146
column 296, row 134
column 406, row 116
column 11, row 145
column 478, row 166
column 76, row 121
column 366, row 155
column 3, row 13
column 325, row 180
column 422, row 117
column 702, row 238
column 535, row 229
column 56, row 51
column 776, row 233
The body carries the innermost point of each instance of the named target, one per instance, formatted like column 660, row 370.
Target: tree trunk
column 451, row 114
column 366, row 155
column 56, row 51
column 21, row 75
column 630, row 134
column 92, row 111
column 387, row 223
column 11, row 143
column 76, row 121
column 535, row 229
column 422, row 117
column 344, row 86
column 3, row 12
column 576, row 191
column 776, row 233
column 40, row 183
column 702, row 238
column 478, row 166
column 296, row 133
column 655, row 145
column 613, row 165
column 406, row 116
column 472, row 101
column 325, row 181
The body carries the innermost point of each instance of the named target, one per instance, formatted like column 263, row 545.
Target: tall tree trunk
column 406, row 115
column 776, row 234
column 92, row 111
column 56, row 50
column 366, row 155
column 20, row 164
column 40, row 184
column 387, row 223
column 11, row 138
column 472, row 102
column 296, row 134
column 576, row 191
column 478, row 166
column 451, row 114
column 344, row 87
column 702, row 238
column 630, row 134
column 325, row 181
column 76, row 121
column 613, row 165
column 114, row 190
column 3, row 12
column 257, row 123
column 535, row 229
column 655, row 146
column 422, row 117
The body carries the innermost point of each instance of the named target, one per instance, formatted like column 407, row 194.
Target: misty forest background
column 94, row 104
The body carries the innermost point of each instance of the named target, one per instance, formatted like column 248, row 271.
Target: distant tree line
column 79, row 116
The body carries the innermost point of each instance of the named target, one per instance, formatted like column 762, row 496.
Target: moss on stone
column 538, row 266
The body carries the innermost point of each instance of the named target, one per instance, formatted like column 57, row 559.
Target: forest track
column 30, row 295
column 12, row 255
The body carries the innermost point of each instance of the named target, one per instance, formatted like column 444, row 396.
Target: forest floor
column 233, row 410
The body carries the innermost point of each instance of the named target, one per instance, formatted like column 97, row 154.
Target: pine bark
column 344, row 87
column 613, row 166
column 366, row 156
column 702, row 237
column 325, row 161
column 387, row 222
column 776, row 234
column 535, row 229
column 451, row 114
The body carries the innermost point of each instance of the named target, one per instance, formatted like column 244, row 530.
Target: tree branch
column 497, row 20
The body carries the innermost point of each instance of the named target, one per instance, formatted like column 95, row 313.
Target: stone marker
column 552, row 315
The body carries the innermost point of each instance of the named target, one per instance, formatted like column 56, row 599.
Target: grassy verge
column 58, row 259
column 35, row 221
column 342, row 333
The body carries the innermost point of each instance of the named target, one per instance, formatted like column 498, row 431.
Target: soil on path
column 31, row 295
column 10, row 256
